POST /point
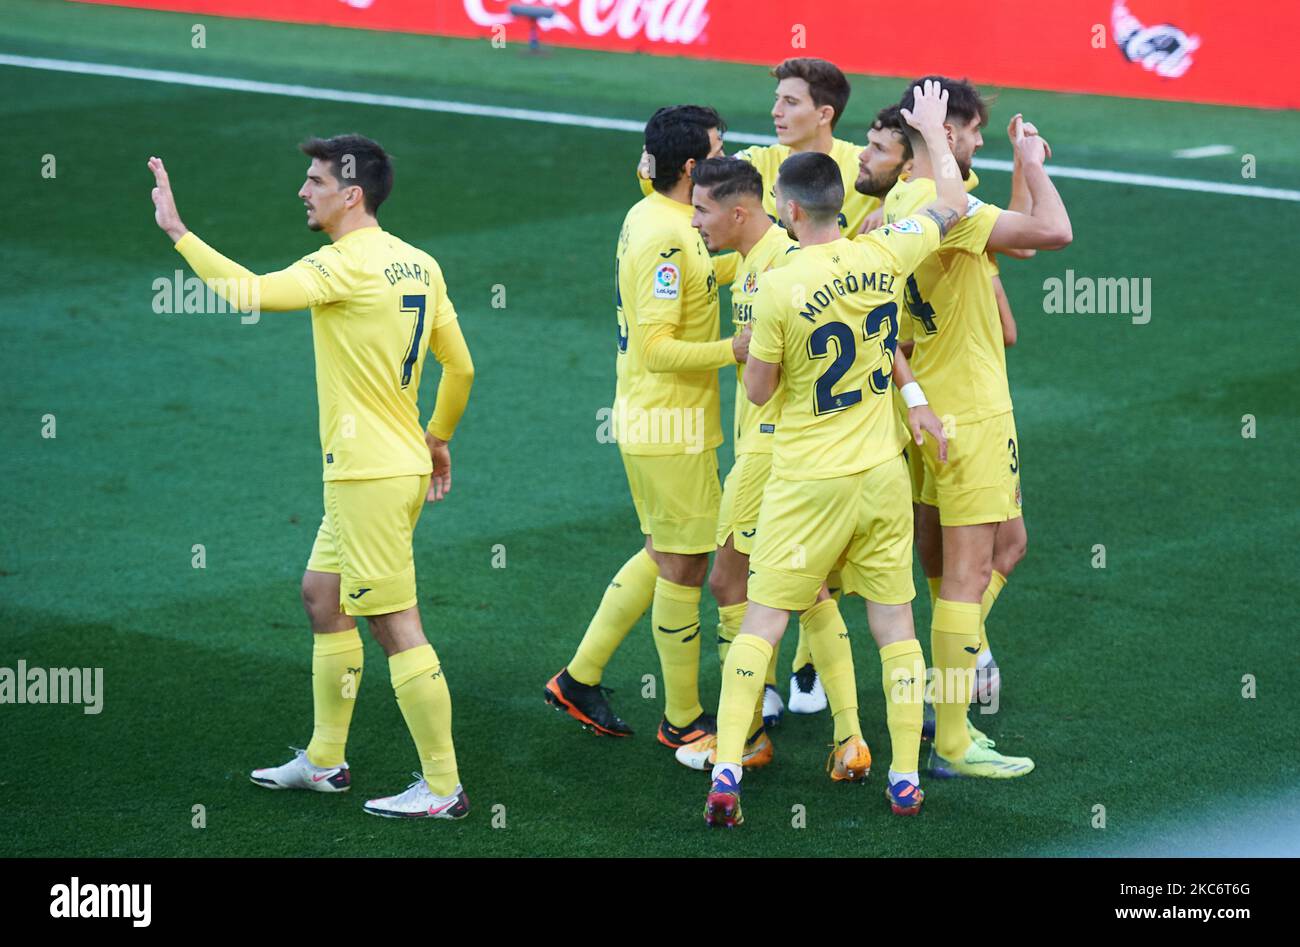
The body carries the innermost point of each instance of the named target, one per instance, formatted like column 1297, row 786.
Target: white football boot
column 418, row 801
column 301, row 773
column 773, row 706
column 807, row 696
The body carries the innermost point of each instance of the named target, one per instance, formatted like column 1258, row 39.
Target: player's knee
column 684, row 569
column 319, row 599
column 719, row 586
column 1007, row 559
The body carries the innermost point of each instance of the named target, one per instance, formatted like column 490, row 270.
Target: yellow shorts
column 742, row 496
column 915, row 469
column 676, row 498
column 861, row 524
column 980, row 483
column 365, row 539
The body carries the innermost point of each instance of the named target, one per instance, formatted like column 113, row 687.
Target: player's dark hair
column 826, row 83
column 355, row 161
column 964, row 102
column 728, row 178
column 890, row 118
column 813, row 181
column 674, row 135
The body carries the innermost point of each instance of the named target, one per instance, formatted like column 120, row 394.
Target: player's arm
column 1005, row 315
column 282, row 291
column 659, row 301
column 725, row 266
column 920, row 416
column 766, row 347
column 1022, row 202
column 447, row 345
column 643, row 176
column 1047, row 224
column 662, row 351
column 873, row 220
column 930, row 108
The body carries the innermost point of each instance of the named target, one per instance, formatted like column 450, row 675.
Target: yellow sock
column 675, row 617
column 997, row 582
column 730, row 617
column 771, row 667
column 902, row 670
column 336, row 661
column 621, row 607
column 828, row 644
column 954, row 643
column 934, row 584
column 425, row 702
column 742, row 685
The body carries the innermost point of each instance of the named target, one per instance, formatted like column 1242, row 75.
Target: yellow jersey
column 829, row 317
column 767, row 159
column 959, row 358
column 755, row 427
column 376, row 302
column 663, row 276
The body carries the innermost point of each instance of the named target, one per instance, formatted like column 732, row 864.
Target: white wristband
column 912, row 394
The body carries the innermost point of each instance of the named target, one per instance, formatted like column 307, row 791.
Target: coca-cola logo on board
column 665, row 21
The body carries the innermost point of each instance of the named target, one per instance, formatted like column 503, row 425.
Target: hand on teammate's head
column 929, row 106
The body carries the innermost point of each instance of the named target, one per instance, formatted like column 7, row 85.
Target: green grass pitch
column 1124, row 683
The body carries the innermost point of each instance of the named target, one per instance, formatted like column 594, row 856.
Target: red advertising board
column 1216, row 51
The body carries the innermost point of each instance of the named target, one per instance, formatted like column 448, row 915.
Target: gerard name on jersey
column 399, row 270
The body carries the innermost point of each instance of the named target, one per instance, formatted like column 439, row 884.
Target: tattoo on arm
column 945, row 218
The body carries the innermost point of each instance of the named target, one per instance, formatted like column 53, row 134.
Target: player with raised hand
column 667, row 424
column 959, row 356
column 728, row 199
column 377, row 305
column 825, row 324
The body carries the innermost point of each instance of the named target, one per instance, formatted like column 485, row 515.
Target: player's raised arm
column 1022, row 202
column 1047, row 224
column 275, row 292
column 929, row 109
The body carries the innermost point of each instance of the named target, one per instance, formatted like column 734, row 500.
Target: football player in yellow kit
column 666, row 420
column 378, row 305
column 826, row 325
column 959, row 357
column 728, row 199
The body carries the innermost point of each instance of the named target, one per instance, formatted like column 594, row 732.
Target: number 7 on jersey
column 414, row 304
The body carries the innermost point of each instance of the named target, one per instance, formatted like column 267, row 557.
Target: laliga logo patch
column 667, row 279
column 973, row 204
column 906, row 225
column 751, row 282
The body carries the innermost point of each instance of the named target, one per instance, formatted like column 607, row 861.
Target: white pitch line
column 1205, row 151
column 318, row 93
